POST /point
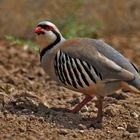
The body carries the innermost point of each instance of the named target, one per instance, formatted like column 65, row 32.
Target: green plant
column 17, row 41
column 70, row 28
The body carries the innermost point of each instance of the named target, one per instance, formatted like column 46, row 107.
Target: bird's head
column 47, row 33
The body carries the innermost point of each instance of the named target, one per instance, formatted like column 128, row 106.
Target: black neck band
column 58, row 38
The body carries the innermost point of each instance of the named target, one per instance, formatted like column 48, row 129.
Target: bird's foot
column 74, row 111
column 81, row 104
column 97, row 123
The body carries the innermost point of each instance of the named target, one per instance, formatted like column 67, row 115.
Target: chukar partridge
column 84, row 65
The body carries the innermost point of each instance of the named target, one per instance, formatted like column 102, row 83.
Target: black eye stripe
column 44, row 26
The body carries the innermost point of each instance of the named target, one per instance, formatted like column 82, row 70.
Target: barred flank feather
column 75, row 72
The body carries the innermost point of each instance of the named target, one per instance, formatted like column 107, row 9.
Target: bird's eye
column 49, row 28
column 46, row 27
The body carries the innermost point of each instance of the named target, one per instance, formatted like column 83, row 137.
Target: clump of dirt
column 34, row 107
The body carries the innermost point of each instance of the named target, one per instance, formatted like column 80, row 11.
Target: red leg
column 100, row 109
column 81, row 104
column 97, row 122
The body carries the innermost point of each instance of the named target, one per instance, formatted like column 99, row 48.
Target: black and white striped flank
column 75, row 72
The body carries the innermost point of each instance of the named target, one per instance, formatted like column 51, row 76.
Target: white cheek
column 50, row 36
column 44, row 40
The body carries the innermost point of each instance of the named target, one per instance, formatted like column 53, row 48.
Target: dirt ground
column 32, row 107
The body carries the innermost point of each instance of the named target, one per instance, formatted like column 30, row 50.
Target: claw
column 96, row 125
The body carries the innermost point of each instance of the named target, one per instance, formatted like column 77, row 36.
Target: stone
column 81, row 127
column 134, row 115
column 110, row 111
column 131, row 128
column 121, row 128
column 63, row 131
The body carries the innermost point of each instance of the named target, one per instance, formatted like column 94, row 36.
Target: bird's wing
column 85, row 51
column 114, row 55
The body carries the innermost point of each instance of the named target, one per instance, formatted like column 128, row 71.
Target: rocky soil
column 33, row 107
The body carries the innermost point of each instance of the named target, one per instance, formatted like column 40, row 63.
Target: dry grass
column 111, row 16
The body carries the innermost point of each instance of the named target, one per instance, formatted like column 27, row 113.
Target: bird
column 86, row 65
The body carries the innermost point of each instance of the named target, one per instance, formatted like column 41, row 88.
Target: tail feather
column 136, row 82
column 128, row 88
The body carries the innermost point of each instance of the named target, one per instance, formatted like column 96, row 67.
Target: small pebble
column 132, row 128
column 41, row 119
column 134, row 115
column 119, row 96
column 126, row 134
column 74, row 101
column 121, row 128
column 63, row 131
column 81, row 131
column 110, row 111
column 22, row 129
column 81, row 127
column 75, row 135
column 70, row 122
column 84, row 109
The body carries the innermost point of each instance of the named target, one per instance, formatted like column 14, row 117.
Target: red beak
column 38, row 30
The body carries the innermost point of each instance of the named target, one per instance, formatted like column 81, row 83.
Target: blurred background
column 117, row 21
column 30, row 101
column 90, row 18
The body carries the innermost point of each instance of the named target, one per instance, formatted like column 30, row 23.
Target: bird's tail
column 128, row 88
column 135, row 84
